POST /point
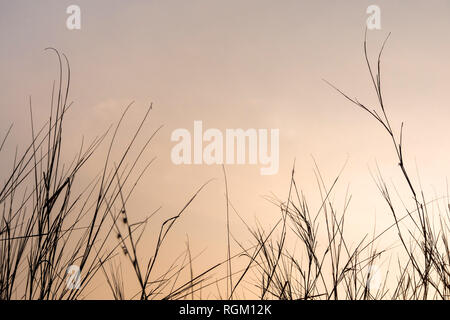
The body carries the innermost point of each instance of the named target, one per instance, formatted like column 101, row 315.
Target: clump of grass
column 327, row 266
column 425, row 274
column 49, row 227
column 46, row 227
column 329, row 270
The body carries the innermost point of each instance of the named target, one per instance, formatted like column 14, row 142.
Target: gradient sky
column 239, row 64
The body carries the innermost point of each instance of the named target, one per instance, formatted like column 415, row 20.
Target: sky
column 238, row 64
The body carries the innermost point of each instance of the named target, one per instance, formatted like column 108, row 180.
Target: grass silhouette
column 48, row 227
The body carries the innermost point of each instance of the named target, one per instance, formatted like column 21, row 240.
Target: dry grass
column 46, row 227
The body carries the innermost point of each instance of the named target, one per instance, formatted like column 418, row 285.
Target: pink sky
column 239, row 64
